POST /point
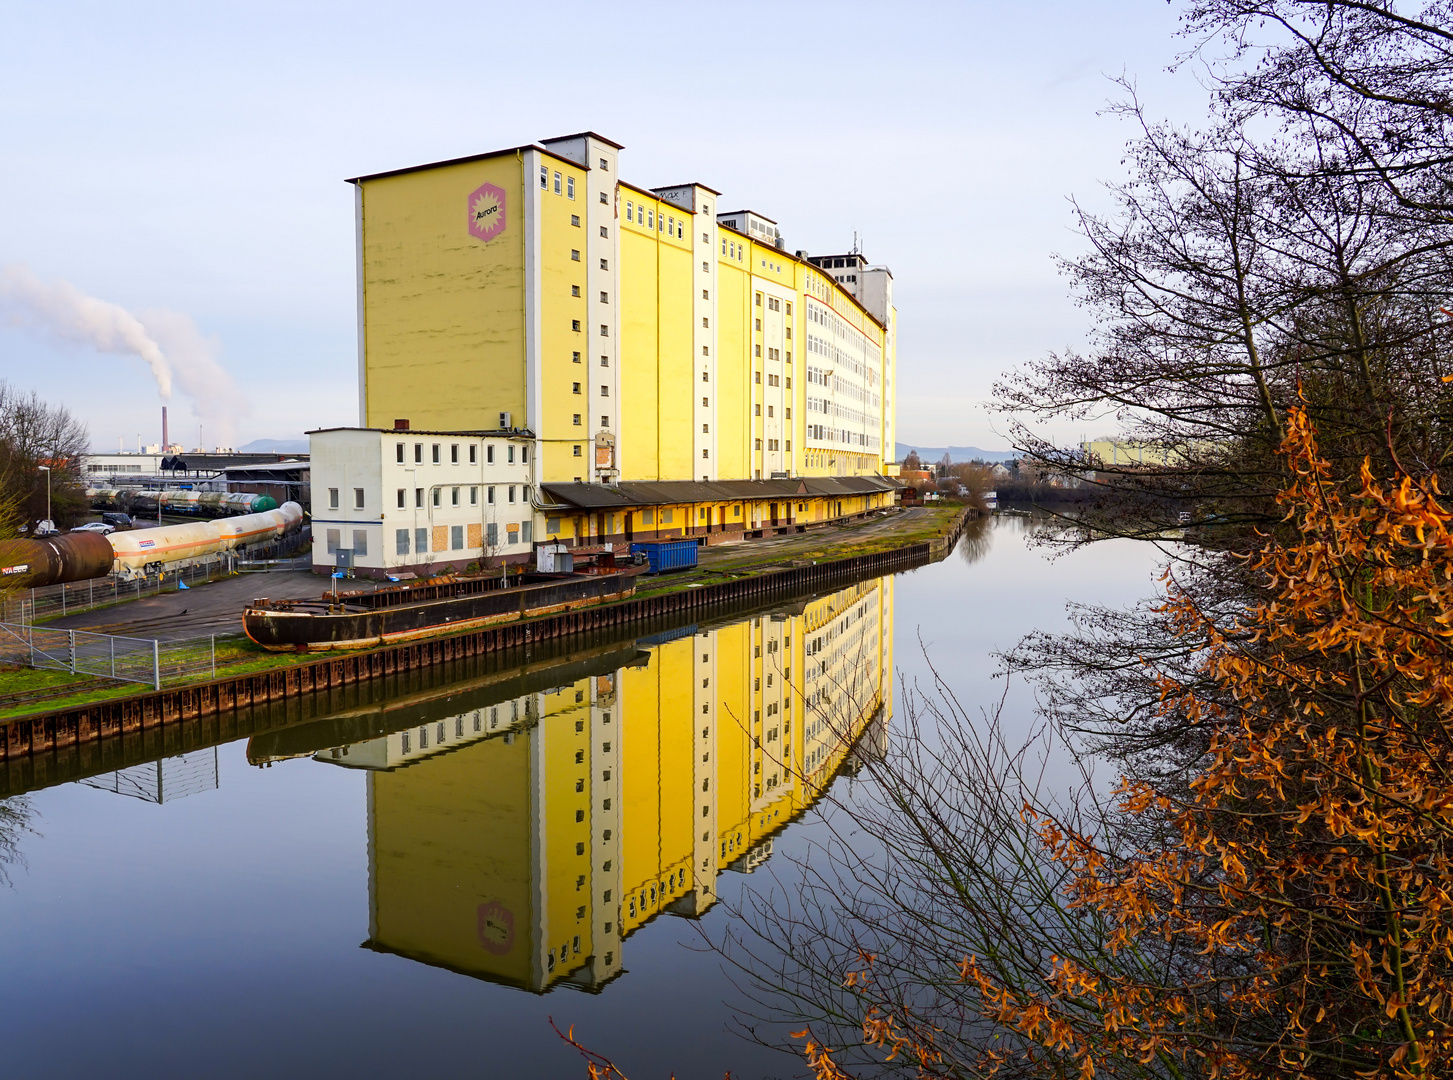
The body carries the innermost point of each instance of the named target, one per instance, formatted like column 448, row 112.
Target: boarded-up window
column 441, row 538
column 474, row 532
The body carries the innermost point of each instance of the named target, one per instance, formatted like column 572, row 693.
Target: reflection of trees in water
column 929, row 858
column 976, row 539
column 16, row 816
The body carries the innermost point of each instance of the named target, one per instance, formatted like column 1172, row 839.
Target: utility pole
column 46, row 469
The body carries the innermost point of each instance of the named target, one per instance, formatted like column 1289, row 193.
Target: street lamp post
column 46, row 469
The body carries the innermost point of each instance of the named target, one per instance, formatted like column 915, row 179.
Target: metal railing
column 108, row 656
column 54, row 601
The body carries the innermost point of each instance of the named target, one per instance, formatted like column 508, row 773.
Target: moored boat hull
column 322, row 627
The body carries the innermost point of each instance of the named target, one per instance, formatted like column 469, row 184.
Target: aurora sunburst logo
column 486, row 212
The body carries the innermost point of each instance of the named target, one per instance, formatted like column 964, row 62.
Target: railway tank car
column 80, row 555
column 180, row 501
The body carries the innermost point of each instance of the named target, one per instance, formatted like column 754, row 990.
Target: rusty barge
column 409, row 612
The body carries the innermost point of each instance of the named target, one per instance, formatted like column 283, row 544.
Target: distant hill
column 275, row 446
column 958, row 454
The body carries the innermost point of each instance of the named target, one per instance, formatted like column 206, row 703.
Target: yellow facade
column 525, row 840
column 443, row 315
column 634, row 335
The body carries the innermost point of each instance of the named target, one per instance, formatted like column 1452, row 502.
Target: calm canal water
column 420, row 900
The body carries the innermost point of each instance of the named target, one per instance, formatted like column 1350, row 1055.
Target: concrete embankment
column 141, row 718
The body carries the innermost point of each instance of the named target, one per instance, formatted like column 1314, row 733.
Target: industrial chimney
column 164, row 442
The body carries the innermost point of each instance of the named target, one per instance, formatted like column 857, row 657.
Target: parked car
column 96, row 527
column 116, row 520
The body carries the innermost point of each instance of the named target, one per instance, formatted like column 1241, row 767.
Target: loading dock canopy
column 674, row 492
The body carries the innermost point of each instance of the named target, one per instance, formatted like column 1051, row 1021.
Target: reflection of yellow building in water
column 524, row 841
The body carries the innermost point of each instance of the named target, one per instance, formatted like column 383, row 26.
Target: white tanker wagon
column 81, row 555
column 149, row 551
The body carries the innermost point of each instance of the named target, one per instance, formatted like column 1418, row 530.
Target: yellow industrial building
column 525, row 839
column 680, row 373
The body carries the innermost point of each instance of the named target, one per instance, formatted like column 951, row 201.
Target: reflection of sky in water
column 220, row 934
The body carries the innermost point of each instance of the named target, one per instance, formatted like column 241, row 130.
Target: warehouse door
column 630, row 526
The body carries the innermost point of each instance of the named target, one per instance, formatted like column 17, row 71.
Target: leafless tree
column 34, row 433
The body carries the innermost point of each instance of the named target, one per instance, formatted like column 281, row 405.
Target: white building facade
column 397, row 502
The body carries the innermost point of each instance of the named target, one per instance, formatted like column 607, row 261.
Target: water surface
column 414, row 885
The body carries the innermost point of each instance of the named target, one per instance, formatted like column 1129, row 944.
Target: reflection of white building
column 163, row 781
column 416, row 501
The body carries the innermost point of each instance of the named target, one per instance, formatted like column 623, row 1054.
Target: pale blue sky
column 191, row 156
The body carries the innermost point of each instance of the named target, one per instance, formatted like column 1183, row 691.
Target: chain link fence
column 108, row 656
column 25, row 606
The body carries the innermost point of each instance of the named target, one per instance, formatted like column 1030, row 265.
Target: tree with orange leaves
column 1288, row 912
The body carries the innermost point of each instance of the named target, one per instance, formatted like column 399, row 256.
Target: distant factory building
column 674, row 368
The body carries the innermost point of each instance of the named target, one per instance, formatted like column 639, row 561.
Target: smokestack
column 164, row 441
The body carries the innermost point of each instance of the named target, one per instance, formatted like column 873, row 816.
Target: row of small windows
column 545, row 183
column 604, row 329
column 649, row 219
column 604, row 390
column 732, row 250
column 774, row 304
column 452, row 538
column 774, row 444
column 437, row 449
column 454, row 495
column 822, row 433
column 604, row 296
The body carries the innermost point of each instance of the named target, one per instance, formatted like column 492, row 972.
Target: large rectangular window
column 491, row 532
column 421, row 541
column 331, row 539
column 360, row 543
column 456, row 537
column 401, row 542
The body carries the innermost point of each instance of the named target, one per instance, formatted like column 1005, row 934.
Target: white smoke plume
column 168, row 342
column 59, row 308
column 214, row 397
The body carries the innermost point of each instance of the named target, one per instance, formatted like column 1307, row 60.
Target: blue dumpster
column 668, row 554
